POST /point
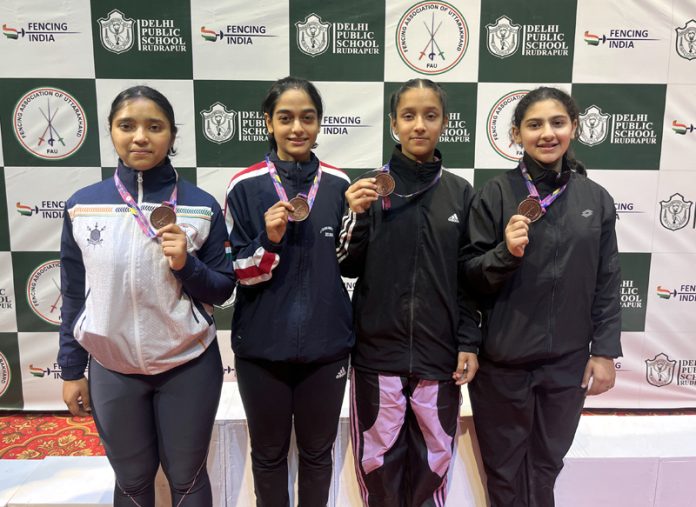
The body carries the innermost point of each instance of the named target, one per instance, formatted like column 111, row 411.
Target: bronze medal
column 530, row 208
column 385, row 184
column 161, row 216
column 301, row 207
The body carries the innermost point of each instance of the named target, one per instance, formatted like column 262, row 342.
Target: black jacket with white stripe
column 411, row 318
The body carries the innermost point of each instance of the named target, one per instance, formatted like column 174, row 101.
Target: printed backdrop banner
column 633, row 76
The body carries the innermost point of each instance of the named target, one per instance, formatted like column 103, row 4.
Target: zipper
column 553, row 289
column 413, row 290
column 295, row 233
column 134, row 257
column 140, row 187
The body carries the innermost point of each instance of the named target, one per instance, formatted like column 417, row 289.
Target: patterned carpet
column 35, row 435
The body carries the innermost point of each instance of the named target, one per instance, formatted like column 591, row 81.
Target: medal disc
column 161, row 216
column 301, row 208
column 530, row 208
column 385, row 184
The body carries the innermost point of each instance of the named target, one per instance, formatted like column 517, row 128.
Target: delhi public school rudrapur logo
column 661, row 371
column 432, row 37
column 686, row 40
column 49, row 123
column 675, row 213
column 43, row 292
column 619, row 128
column 498, row 125
column 236, row 35
column 504, row 39
column 314, row 37
column 38, row 31
column 119, row 34
column 220, row 125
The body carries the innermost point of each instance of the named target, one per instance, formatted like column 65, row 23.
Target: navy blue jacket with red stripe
column 291, row 304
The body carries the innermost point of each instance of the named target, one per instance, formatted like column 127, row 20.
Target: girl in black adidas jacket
column 543, row 256
column 416, row 338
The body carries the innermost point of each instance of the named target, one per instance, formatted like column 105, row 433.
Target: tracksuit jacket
column 412, row 316
column 563, row 294
column 121, row 302
column 291, row 304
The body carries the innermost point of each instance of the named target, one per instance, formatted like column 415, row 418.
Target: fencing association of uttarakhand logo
column 236, row 35
column 659, row 371
column 619, row 128
column 38, row 31
column 48, row 209
column 119, row 34
column 43, row 292
column 5, row 374
column 221, row 125
column 498, row 126
column 675, row 213
column 218, row 123
column 49, row 123
column 619, row 38
column 432, row 37
column 686, row 40
column 314, row 37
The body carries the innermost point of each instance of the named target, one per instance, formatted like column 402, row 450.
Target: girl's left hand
column 600, row 375
column 467, row 365
column 174, row 244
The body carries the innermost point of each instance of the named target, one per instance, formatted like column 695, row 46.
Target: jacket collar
column 548, row 176
column 412, row 172
column 295, row 171
column 154, row 179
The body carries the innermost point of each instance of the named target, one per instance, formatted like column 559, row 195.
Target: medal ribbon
column 135, row 210
column 386, row 202
column 534, row 193
column 275, row 177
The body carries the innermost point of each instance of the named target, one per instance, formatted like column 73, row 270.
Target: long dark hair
column 145, row 92
column 571, row 107
column 418, row 82
column 281, row 86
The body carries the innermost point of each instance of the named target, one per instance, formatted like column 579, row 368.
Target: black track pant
column 276, row 394
column 525, row 420
column 403, row 432
column 145, row 420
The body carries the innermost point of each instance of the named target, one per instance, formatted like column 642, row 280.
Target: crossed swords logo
column 50, row 129
column 432, row 44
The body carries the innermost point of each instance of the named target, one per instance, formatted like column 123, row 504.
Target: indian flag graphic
column 209, row 35
column 679, row 128
column 665, row 293
column 25, row 210
column 37, row 372
column 591, row 39
column 10, row 33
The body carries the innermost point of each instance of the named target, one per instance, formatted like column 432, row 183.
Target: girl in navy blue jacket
column 291, row 329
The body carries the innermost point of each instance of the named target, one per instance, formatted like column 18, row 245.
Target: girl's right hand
column 276, row 218
column 76, row 397
column 517, row 234
column 361, row 194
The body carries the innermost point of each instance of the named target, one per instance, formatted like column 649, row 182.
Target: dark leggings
column 276, row 394
column 145, row 420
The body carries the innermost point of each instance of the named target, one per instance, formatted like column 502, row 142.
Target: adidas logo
column 341, row 373
column 454, row 218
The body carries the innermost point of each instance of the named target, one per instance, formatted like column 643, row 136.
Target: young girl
column 142, row 262
column 416, row 336
column 291, row 330
column 543, row 256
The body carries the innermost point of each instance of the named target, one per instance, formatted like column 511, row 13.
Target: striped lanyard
column 534, row 193
column 386, row 201
column 275, row 177
column 135, row 210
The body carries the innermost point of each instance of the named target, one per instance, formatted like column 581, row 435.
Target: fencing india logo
column 686, row 40
column 312, row 35
column 618, row 38
column 49, row 123
column 218, row 123
column 498, row 126
column 116, row 32
column 659, row 371
column 594, row 126
column 432, row 37
column 503, row 37
column 236, row 35
column 682, row 128
column 675, row 212
column 38, row 31
column 43, row 292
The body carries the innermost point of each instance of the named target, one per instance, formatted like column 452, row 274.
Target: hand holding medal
column 174, row 245
column 517, row 234
column 276, row 219
column 361, row 194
